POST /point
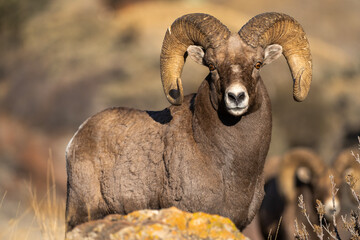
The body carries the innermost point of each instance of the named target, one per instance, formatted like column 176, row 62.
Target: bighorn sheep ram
column 207, row 151
column 302, row 171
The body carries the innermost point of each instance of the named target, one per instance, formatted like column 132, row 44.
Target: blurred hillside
column 62, row 61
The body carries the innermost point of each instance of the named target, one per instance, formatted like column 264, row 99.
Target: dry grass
column 43, row 218
column 49, row 211
column 270, row 236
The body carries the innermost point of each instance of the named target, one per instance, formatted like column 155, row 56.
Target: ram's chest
column 194, row 184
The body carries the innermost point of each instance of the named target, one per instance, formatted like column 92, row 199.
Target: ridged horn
column 277, row 28
column 346, row 161
column 290, row 163
column 191, row 29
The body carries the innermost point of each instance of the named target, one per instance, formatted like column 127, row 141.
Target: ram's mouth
column 237, row 111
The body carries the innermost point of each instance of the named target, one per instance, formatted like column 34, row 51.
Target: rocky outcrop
column 168, row 223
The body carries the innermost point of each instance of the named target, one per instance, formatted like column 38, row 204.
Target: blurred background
column 62, row 61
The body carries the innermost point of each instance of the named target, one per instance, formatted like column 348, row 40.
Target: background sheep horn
column 290, row 163
column 276, row 28
column 192, row 29
column 344, row 161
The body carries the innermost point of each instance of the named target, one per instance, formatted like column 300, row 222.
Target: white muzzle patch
column 236, row 99
column 329, row 208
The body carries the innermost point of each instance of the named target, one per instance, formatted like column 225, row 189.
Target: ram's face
column 324, row 191
column 234, row 72
column 321, row 187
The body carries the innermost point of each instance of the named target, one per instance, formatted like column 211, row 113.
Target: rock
column 169, row 223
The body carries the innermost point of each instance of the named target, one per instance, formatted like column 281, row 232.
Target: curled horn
column 346, row 164
column 192, row 29
column 291, row 163
column 277, row 28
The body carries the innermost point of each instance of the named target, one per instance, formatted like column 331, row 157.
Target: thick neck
column 232, row 139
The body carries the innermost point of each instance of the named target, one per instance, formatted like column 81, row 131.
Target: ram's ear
column 272, row 52
column 196, row 53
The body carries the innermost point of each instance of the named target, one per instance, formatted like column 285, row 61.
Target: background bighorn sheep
column 301, row 171
column 205, row 155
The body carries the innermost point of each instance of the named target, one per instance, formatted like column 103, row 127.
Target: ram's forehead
column 234, row 42
column 235, row 68
column 235, row 51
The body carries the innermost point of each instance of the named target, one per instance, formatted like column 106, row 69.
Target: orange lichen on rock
column 168, row 223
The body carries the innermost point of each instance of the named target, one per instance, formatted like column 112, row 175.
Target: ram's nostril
column 241, row 96
column 236, row 97
column 232, row 97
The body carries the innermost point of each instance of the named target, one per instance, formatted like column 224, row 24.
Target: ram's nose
column 236, row 99
column 329, row 207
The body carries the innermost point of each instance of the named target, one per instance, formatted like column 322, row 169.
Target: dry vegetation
column 41, row 217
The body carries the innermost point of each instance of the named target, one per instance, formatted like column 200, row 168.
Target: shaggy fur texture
column 172, row 165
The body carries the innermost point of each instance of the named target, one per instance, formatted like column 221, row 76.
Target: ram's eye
column 211, row 67
column 258, row 65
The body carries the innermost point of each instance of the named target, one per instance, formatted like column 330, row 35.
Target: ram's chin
column 237, row 112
